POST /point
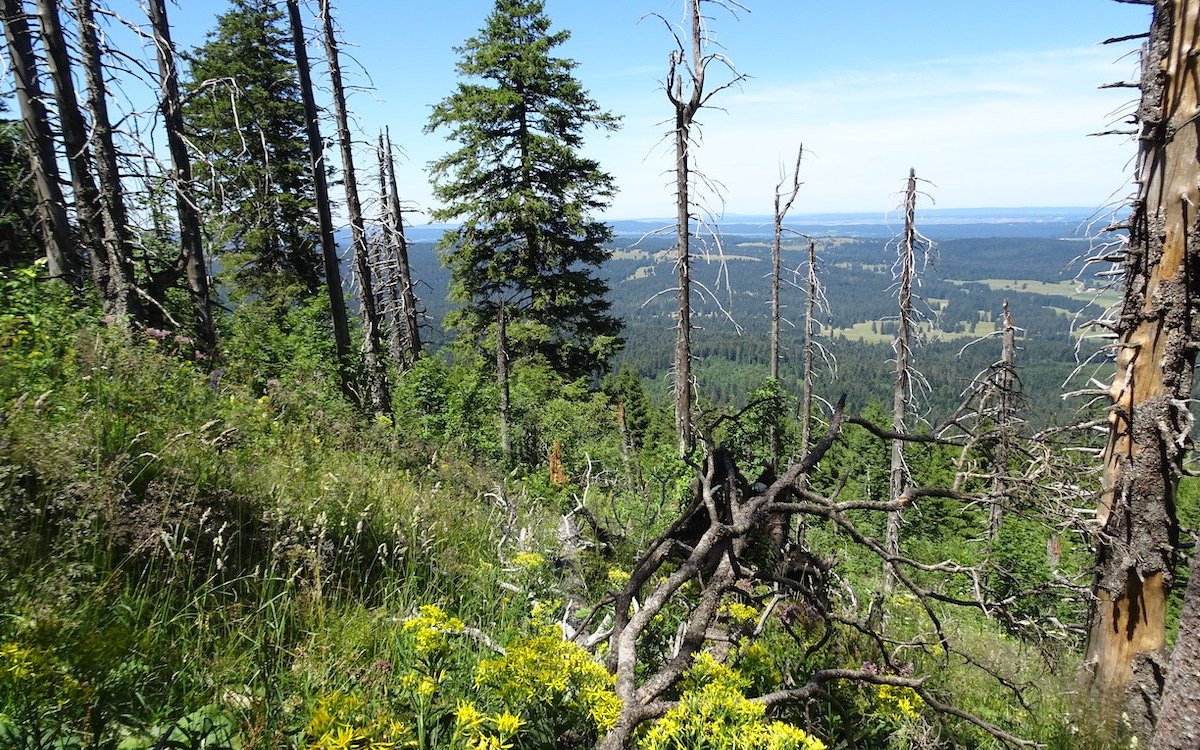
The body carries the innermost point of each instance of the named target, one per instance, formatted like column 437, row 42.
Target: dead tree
column 190, row 240
column 61, row 260
column 783, row 204
column 1004, row 383
column 708, row 557
column 407, row 333
column 121, row 294
column 685, row 84
column 316, row 155
column 373, row 365
column 1149, row 421
column 910, row 245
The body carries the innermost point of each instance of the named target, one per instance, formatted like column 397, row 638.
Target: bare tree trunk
column 502, row 382
column 898, row 474
column 121, row 295
column 1004, row 383
column 74, row 135
column 685, row 112
column 781, row 209
column 409, row 325
column 1149, row 420
column 190, row 240
column 61, row 261
column 373, row 366
column 316, row 154
column 1178, row 726
column 810, row 305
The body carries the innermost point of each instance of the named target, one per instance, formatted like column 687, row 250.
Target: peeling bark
column 1149, row 419
column 1178, row 726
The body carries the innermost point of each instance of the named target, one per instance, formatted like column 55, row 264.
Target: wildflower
column 528, row 560
column 507, row 724
column 618, row 577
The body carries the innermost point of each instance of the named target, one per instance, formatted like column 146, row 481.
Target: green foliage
column 524, row 194
column 38, row 323
column 18, row 205
column 243, row 109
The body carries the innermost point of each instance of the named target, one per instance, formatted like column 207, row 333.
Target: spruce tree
column 524, row 194
column 245, row 113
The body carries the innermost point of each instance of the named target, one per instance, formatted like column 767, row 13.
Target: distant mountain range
column 939, row 223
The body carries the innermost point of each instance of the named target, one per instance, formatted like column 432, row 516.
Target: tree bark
column 781, row 209
column 190, row 240
column 373, row 365
column 1149, row 420
column 316, row 155
column 1178, row 726
column 61, row 260
column 121, row 296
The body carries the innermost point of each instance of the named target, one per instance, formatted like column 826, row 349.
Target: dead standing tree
column 404, row 327
column 190, row 240
column 910, row 247
column 373, row 365
column 783, row 204
column 1149, row 421
column 61, row 260
column 685, row 87
column 316, row 155
column 122, row 294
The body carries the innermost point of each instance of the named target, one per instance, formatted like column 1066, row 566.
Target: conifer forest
column 288, row 462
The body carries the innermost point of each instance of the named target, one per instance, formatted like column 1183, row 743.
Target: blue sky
column 989, row 101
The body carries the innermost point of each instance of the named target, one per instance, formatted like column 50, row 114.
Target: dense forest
column 280, row 470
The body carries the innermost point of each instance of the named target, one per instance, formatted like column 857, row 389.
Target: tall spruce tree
column 524, row 194
column 245, row 112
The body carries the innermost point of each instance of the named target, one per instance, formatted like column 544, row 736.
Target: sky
column 990, row 102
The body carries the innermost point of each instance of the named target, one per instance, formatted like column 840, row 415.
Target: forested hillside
column 279, row 469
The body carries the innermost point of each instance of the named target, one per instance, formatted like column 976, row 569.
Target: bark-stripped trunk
column 79, row 156
column 373, row 365
column 61, row 261
column 810, row 308
column 1178, row 726
column 898, row 474
column 781, row 209
column 407, row 310
column 121, row 296
column 316, row 155
column 502, row 382
column 190, row 240
column 685, row 113
column 1004, row 383
column 1149, row 420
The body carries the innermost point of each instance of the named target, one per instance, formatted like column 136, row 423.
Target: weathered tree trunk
column 810, row 306
column 316, row 155
column 502, row 381
column 907, row 269
column 1149, row 420
column 407, row 313
column 74, row 135
column 1004, row 383
column 190, row 240
column 781, row 209
column 121, row 295
column 61, row 260
column 685, row 113
column 1178, row 726
column 373, row 365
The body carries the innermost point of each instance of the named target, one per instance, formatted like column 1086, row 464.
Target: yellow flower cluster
column 555, row 673
column 740, row 615
column 713, row 714
column 431, row 625
column 899, row 702
column 528, row 560
column 343, row 722
column 618, row 577
column 479, row 731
